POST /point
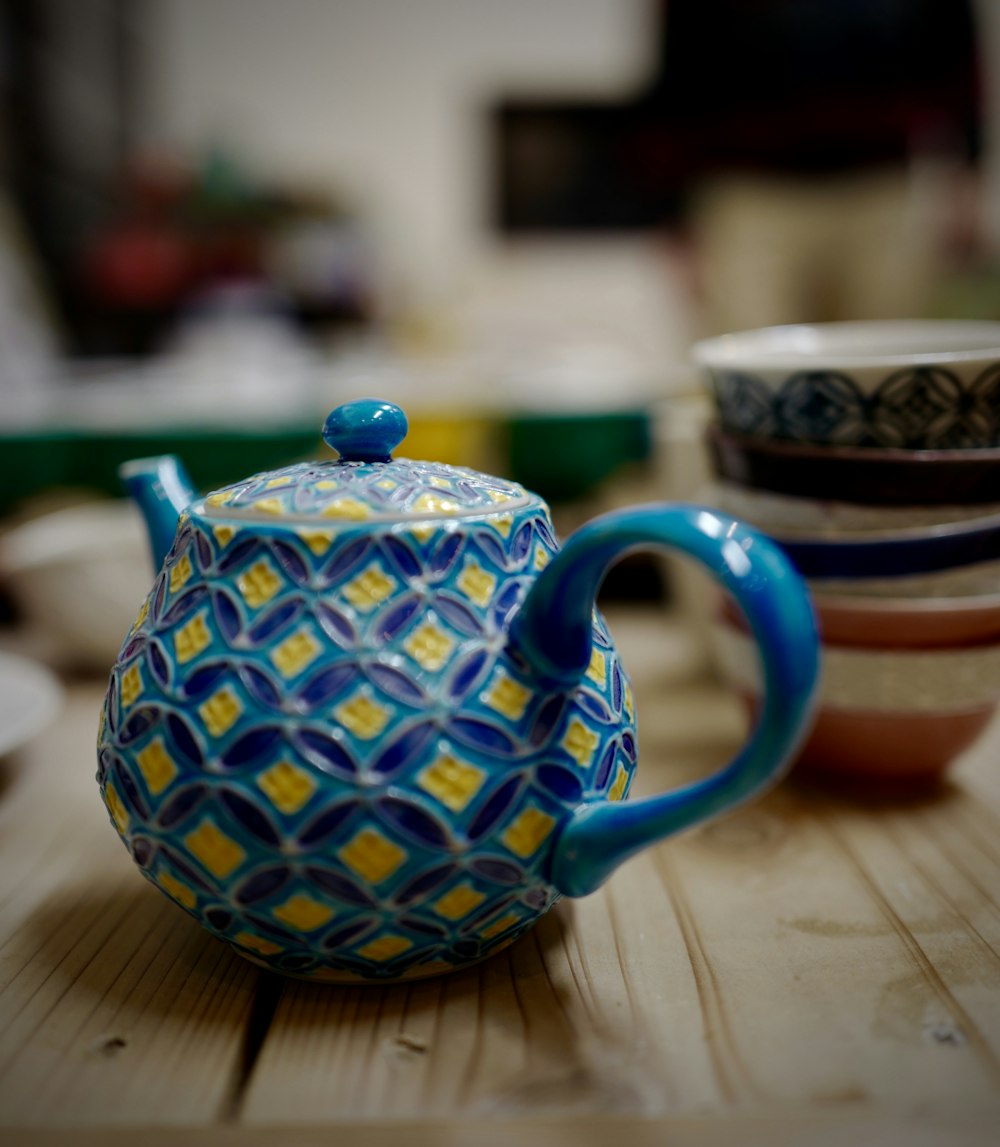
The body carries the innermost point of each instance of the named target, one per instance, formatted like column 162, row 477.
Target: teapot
column 369, row 723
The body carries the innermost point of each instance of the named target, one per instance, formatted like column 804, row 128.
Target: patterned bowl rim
column 841, row 345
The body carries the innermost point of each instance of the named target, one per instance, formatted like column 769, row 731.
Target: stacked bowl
column 871, row 452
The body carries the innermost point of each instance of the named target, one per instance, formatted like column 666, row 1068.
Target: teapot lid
column 366, row 483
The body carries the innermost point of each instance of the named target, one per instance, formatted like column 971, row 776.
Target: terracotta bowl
column 895, row 714
column 898, row 622
column 918, row 385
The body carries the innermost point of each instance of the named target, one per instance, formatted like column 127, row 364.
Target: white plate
column 30, row 697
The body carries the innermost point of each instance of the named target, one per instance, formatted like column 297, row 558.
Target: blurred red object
column 139, row 265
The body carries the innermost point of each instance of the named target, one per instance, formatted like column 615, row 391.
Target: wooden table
column 811, row 969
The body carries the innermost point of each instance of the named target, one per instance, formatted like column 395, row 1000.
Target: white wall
column 382, row 98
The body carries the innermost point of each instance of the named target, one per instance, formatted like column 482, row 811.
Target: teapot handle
column 775, row 601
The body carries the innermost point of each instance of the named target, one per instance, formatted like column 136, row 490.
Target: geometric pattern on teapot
column 316, row 744
column 364, row 490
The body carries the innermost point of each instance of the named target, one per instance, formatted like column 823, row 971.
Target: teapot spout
column 161, row 489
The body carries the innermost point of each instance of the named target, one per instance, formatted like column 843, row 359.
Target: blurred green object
column 563, row 457
column 34, row 463
column 970, row 293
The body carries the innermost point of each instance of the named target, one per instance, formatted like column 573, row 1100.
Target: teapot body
column 318, row 741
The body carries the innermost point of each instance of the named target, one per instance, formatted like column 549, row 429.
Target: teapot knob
column 365, row 431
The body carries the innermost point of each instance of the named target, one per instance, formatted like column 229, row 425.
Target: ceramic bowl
column 978, row 580
column 792, row 516
column 890, row 715
column 900, row 622
column 878, row 554
column 79, row 576
column 917, row 385
column 908, row 551
column 868, row 475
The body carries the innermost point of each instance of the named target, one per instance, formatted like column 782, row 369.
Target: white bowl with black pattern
column 910, row 384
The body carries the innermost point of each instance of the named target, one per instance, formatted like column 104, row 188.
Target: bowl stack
column 871, row 452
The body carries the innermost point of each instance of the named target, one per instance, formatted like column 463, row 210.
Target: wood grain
column 115, row 1008
column 814, row 968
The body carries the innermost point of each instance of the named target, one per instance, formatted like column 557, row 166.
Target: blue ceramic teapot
column 368, row 723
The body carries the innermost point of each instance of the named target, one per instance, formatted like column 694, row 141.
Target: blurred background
column 220, row 218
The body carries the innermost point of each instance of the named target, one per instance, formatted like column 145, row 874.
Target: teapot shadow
column 133, row 920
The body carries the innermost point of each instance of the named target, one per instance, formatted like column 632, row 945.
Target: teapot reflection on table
column 370, row 725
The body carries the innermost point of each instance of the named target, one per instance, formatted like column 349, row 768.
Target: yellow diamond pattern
column 369, row 589
column 502, row 524
column 459, row 902
column 275, row 483
column 384, row 948
column 541, row 557
column 629, row 702
column 180, row 892
column 180, row 573
column 143, row 614
column 435, row 504
column 318, row 542
column 116, row 808
column 597, row 670
column 429, row 646
column 157, row 766
column 386, row 484
column 580, row 742
column 221, row 711
column 508, row 697
column 221, row 498
column 422, row 533
column 286, row 786
column 192, row 638
column 476, row 583
column 295, row 653
column 348, row 509
column 527, row 831
column 271, row 506
column 258, row 584
column 224, row 534
column 364, row 717
column 453, row 783
column 131, row 685
column 257, row 944
column 500, row 925
column 372, row 856
column 219, row 853
column 617, row 790
column 303, row 913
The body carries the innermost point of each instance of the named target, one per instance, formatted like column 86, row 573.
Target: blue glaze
column 365, row 431
column 940, row 548
column 552, row 633
column 369, row 725
column 162, row 490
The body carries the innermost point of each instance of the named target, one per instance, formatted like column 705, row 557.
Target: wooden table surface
column 814, row 968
